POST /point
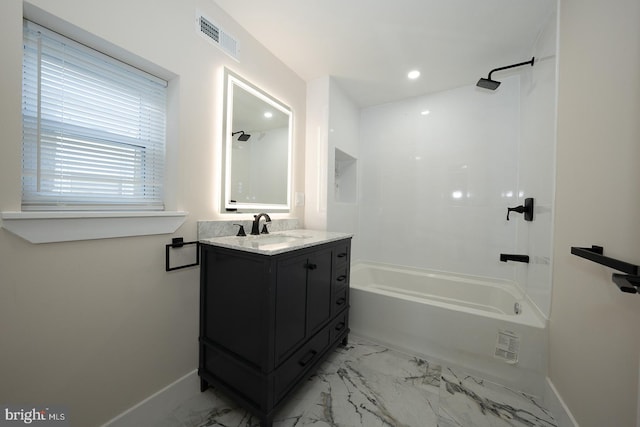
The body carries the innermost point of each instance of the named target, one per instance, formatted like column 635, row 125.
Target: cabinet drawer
column 339, row 301
column 341, row 254
column 341, row 277
column 301, row 361
column 339, row 325
column 235, row 375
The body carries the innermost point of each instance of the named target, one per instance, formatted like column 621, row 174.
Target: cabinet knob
column 341, row 278
column 342, row 254
column 341, row 301
column 340, row 326
column 311, row 266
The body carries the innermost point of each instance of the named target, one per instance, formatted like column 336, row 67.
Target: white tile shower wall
column 435, row 187
column 536, row 164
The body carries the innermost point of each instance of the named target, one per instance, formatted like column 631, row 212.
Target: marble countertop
column 277, row 242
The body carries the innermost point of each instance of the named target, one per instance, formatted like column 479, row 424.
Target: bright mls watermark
column 22, row 415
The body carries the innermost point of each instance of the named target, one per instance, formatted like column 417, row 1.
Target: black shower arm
column 511, row 66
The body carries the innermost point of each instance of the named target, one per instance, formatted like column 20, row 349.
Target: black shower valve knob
column 526, row 209
column 518, row 209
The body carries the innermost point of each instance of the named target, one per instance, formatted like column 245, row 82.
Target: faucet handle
column 527, row 209
column 241, row 230
column 518, row 209
column 264, row 229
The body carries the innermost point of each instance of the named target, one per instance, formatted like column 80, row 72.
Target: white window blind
column 93, row 128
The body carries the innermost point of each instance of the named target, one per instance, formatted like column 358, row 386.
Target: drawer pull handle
column 311, row 266
column 342, row 278
column 340, row 326
column 341, row 301
column 342, row 254
column 307, row 357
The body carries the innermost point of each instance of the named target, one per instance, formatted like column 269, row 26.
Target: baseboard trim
column 158, row 405
column 558, row 408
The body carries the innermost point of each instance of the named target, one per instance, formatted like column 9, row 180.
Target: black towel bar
column 595, row 254
column 628, row 282
column 178, row 242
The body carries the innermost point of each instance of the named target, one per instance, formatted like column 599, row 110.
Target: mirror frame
column 232, row 80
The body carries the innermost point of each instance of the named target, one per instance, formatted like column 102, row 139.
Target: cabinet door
column 318, row 290
column 234, row 296
column 290, row 310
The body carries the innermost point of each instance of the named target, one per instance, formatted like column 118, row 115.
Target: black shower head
column 491, row 84
column 488, row 84
column 243, row 136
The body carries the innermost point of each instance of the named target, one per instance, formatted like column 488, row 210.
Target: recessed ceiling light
column 413, row 74
column 268, row 114
column 425, row 112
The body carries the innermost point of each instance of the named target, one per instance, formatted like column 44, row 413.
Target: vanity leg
column 203, row 385
column 345, row 341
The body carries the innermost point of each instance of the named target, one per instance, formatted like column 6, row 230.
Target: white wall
column 332, row 122
column 435, row 188
column 317, row 154
column 99, row 325
column 594, row 339
column 343, row 135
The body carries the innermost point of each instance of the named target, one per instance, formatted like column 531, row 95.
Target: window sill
column 49, row 227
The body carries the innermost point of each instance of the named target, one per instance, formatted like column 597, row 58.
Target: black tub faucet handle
column 518, row 209
column 526, row 209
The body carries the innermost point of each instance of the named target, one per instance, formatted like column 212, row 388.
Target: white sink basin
column 274, row 239
column 269, row 241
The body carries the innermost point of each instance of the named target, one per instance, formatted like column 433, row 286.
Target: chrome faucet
column 255, row 228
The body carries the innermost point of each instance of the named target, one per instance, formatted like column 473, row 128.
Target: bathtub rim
column 531, row 315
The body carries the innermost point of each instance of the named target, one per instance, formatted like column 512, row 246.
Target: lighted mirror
column 257, row 149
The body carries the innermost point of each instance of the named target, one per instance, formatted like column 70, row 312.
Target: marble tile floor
column 368, row 385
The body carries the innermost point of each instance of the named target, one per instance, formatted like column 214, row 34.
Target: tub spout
column 513, row 257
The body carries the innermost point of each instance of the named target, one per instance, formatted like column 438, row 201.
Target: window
column 93, row 128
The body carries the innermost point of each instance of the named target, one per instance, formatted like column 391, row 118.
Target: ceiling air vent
column 216, row 35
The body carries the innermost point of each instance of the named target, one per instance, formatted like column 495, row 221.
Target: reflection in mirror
column 256, row 149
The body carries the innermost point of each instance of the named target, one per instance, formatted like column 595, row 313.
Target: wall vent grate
column 211, row 31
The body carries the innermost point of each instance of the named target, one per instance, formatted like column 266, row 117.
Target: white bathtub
column 465, row 321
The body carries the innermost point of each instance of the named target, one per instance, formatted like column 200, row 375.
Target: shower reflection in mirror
column 257, row 146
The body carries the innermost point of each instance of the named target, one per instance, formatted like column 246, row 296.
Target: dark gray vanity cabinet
column 268, row 321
